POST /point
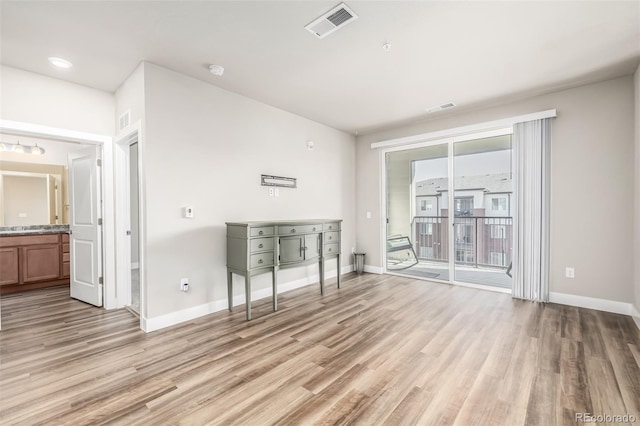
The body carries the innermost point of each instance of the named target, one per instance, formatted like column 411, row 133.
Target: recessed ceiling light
column 216, row 70
column 60, row 63
column 386, row 46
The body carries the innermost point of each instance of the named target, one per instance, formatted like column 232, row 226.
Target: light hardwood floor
column 381, row 350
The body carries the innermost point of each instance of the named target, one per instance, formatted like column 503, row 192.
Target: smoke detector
column 441, row 107
column 216, row 70
column 331, row 21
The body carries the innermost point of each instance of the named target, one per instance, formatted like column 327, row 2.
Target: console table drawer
column 333, row 248
column 332, row 226
column 262, row 231
column 300, row 229
column 262, row 259
column 261, row 244
column 331, row 237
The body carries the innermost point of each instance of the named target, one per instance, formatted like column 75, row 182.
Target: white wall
column 637, row 193
column 592, row 153
column 206, row 148
column 34, row 98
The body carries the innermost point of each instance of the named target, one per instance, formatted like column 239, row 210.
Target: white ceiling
column 470, row 53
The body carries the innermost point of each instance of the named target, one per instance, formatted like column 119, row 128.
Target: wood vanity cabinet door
column 40, row 263
column 9, row 266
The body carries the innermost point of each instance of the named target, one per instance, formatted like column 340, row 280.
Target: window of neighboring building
column 498, row 231
column 464, row 256
column 426, row 228
column 497, row 259
column 425, row 205
column 499, row 204
column 463, row 206
column 426, row 252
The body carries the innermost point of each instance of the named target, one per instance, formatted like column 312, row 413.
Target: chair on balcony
column 400, row 253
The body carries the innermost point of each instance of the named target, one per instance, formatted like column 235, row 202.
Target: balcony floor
column 440, row 271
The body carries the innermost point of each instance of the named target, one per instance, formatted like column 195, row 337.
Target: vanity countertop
column 33, row 229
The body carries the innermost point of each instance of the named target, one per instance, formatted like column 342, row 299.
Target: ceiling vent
column 334, row 19
column 441, row 107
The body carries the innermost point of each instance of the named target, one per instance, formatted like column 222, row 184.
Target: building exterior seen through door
column 453, row 201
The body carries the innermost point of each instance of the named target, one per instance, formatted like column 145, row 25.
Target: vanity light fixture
column 59, row 62
column 21, row 149
column 36, row 150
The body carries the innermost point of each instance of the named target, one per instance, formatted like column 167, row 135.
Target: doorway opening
column 134, row 227
column 448, row 206
column 58, row 144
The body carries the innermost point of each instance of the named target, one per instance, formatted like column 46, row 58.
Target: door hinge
column 99, row 221
column 99, row 162
column 100, row 281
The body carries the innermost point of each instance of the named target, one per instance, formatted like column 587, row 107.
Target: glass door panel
column 482, row 231
column 417, row 212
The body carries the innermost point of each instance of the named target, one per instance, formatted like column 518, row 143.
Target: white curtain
column 531, row 149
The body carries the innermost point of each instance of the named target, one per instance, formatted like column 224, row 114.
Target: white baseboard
column 636, row 315
column 592, row 303
column 373, row 269
column 156, row 323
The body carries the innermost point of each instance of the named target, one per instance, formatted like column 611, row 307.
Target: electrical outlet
column 570, row 272
column 271, row 192
column 184, row 284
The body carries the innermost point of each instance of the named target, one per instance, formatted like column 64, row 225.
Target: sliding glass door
column 417, row 212
column 482, row 231
column 449, row 209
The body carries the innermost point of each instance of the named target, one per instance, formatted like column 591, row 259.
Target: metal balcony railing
column 479, row 241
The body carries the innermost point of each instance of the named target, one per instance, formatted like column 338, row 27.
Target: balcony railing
column 479, row 241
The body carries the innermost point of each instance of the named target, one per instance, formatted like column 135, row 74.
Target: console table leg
column 339, row 269
column 230, row 290
column 275, row 289
column 247, row 291
column 321, row 266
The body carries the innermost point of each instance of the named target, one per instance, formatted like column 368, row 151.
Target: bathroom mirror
column 33, row 194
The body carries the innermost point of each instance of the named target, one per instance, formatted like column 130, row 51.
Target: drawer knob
column 261, row 232
column 260, row 245
column 259, row 260
column 331, row 238
column 293, row 230
column 329, row 248
column 314, row 228
column 330, row 227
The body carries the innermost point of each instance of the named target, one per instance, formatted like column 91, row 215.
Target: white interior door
column 85, row 217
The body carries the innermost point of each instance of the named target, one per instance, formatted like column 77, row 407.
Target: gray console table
column 259, row 247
